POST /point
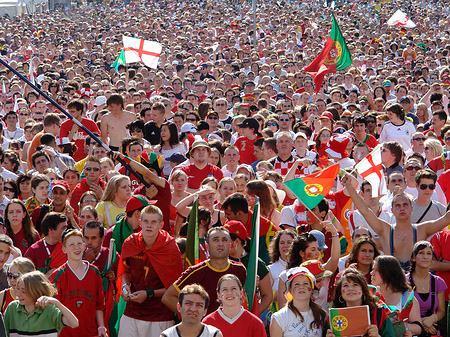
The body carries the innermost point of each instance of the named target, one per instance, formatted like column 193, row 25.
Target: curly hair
column 300, row 243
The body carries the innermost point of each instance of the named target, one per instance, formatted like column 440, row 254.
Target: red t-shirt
column 135, row 183
column 371, row 142
column 143, row 276
column 83, row 297
column 78, row 192
column 196, row 175
column 38, row 254
column 444, row 183
column 207, row 277
column 20, row 241
column 245, row 324
column 441, row 247
column 80, row 136
column 246, row 150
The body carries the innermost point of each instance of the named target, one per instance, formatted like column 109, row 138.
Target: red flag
column 334, row 56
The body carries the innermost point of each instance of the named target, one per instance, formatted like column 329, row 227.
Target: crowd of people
column 93, row 242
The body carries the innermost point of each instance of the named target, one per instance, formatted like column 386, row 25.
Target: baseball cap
column 202, row 125
column 387, row 83
column 405, row 99
column 236, row 227
column 249, row 122
column 249, row 82
column 212, row 113
column 316, row 268
column 62, row 184
column 320, row 239
column 188, row 127
column 363, row 99
column 137, row 201
column 100, row 100
column 176, row 158
column 297, row 271
column 326, row 115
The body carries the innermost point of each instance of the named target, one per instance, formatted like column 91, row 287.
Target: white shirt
column 275, row 270
column 292, row 325
column 401, row 133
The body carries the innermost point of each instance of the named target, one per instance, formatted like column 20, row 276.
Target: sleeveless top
column 8, row 298
column 406, row 264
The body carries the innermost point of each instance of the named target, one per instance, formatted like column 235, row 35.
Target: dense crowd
column 93, row 237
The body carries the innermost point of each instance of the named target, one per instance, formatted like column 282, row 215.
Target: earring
column 341, row 299
column 363, row 298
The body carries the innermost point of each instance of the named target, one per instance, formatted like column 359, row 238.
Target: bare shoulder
column 106, row 117
column 130, row 114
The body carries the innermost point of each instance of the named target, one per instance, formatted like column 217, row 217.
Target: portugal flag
column 310, row 190
column 351, row 321
column 335, row 56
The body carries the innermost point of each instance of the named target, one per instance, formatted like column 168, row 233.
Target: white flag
column 400, row 19
column 31, row 72
column 138, row 50
column 370, row 169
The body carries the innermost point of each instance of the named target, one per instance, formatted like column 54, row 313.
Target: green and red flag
column 252, row 267
column 192, row 256
column 335, row 56
column 311, row 189
column 351, row 321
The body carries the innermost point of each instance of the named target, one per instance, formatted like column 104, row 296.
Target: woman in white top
column 398, row 128
column 169, row 145
column 301, row 316
column 278, row 250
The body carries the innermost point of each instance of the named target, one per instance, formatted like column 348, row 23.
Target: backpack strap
column 414, row 227
column 433, row 295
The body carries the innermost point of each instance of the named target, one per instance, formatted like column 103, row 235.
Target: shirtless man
column 400, row 235
column 113, row 123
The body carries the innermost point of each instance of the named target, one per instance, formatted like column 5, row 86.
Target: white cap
column 188, row 127
column 100, row 100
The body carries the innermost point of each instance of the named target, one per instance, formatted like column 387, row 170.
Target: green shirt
column 41, row 322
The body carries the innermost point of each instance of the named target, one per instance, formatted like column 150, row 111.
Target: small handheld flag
column 351, row 321
column 311, row 189
column 192, row 256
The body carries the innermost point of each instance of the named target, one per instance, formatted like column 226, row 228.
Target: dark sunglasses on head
column 424, row 186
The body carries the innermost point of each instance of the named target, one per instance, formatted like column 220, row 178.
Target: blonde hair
column 435, row 146
column 23, row 264
column 113, row 186
column 177, row 174
column 69, row 234
column 151, row 209
column 37, row 285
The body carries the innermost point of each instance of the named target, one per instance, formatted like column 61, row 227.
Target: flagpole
column 76, row 121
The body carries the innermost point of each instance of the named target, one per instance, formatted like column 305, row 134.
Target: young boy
column 150, row 263
column 244, row 144
column 6, row 249
column 80, row 289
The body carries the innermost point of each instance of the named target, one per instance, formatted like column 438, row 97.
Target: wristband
column 101, row 327
column 126, row 159
column 335, row 236
column 150, row 293
column 334, row 220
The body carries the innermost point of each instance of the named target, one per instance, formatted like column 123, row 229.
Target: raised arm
column 333, row 261
column 378, row 225
column 433, row 226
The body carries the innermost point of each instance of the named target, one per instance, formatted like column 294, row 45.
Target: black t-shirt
column 152, row 133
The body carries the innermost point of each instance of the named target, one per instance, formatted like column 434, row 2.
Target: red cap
column 137, row 202
column 236, row 227
column 326, row 115
column 61, row 184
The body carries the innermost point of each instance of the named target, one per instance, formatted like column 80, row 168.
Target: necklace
column 8, row 134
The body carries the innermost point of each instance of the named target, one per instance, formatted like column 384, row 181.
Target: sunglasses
column 271, row 124
column 415, row 168
column 221, row 104
column 14, row 276
column 424, row 186
column 191, row 120
column 426, row 148
column 89, row 169
column 284, row 119
column 420, row 139
column 90, row 200
column 380, row 125
column 8, row 189
column 213, row 117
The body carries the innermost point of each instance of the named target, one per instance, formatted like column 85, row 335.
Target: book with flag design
column 351, row 321
column 192, row 255
column 334, row 57
column 252, row 268
column 311, row 189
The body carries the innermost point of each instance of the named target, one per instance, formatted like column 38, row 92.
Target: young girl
column 17, row 268
column 35, row 295
column 231, row 318
column 169, row 145
column 301, row 316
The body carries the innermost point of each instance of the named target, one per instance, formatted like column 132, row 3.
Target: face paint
column 344, row 291
column 309, row 255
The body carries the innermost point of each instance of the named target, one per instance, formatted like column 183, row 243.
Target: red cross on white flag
column 138, row 50
column 370, row 169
